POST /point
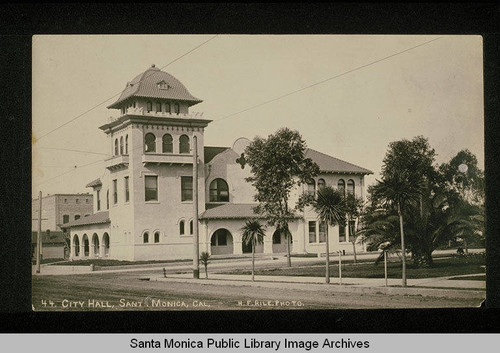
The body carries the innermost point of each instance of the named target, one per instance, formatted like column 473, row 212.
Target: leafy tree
column 278, row 165
column 354, row 207
column 331, row 209
column 253, row 233
column 397, row 190
column 204, row 257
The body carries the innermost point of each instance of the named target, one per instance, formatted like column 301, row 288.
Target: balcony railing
column 164, row 158
column 142, row 111
column 117, row 162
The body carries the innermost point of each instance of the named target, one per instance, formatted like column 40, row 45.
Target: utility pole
column 196, row 244
column 39, row 236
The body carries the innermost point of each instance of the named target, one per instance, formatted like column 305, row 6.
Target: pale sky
column 434, row 90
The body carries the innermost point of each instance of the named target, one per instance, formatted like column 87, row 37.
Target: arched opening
column 181, row 227
column 219, row 191
column 121, row 145
column 279, row 242
column 176, row 108
column 116, row 147
column 145, row 238
column 105, row 243
column 86, row 245
column 150, row 142
column 157, row 237
column 76, row 245
column 167, row 144
column 184, row 144
column 221, row 242
column 311, row 187
column 321, row 183
column 247, row 248
column 126, row 144
column 95, row 244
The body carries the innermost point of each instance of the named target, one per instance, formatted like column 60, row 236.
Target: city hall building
column 143, row 203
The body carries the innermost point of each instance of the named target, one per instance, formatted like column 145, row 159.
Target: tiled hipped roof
column 331, row 164
column 231, row 211
column 96, row 218
column 146, row 85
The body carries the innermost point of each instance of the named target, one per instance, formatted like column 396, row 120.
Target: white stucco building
column 143, row 203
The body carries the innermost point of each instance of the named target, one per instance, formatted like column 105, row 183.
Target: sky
column 349, row 96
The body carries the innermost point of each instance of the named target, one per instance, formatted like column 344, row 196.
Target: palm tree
column 354, row 207
column 204, row 257
column 397, row 189
column 253, row 233
column 330, row 207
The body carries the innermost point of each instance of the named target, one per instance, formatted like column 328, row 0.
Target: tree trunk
column 466, row 247
column 206, row 271
column 354, row 250
column 327, row 271
column 403, row 252
column 351, row 232
column 288, row 259
column 253, row 260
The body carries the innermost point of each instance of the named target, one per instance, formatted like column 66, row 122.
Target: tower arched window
column 157, row 237
column 219, row 191
column 350, row 186
column 167, row 144
column 121, row 145
column 176, row 108
column 150, row 142
column 341, row 186
column 145, row 238
column 158, row 107
column 191, row 227
column 181, row 227
column 116, row 147
column 126, row 144
column 184, row 144
column 321, row 184
column 149, row 106
column 167, row 108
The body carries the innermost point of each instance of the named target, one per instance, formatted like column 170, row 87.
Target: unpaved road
column 126, row 291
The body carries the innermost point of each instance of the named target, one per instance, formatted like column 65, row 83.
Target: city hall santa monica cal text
column 143, row 201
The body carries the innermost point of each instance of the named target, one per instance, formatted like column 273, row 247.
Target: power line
column 98, row 105
column 323, row 81
column 70, row 150
column 69, row 171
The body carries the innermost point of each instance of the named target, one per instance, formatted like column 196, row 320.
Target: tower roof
column 154, row 83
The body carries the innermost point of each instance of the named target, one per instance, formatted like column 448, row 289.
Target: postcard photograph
column 257, row 172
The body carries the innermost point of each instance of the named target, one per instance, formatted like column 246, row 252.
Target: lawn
column 448, row 266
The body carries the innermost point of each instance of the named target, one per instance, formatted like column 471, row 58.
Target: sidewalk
column 427, row 287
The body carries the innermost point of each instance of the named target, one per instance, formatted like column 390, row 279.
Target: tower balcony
column 117, row 162
column 142, row 111
column 168, row 159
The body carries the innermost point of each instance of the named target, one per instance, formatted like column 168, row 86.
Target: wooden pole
column 327, row 272
column 385, row 266
column 196, row 244
column 39, row 236
column 340, row 267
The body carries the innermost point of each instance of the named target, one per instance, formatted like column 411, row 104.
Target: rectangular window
column 322, row 232
column 341, row 232
column 151, row 188
column 352, row 230
column 186, row 188
column 98, row 196
column 115, row 191
column 65, row 218
column 312, row 232
column 76, row 200
column 127, row 193
column 77, row 217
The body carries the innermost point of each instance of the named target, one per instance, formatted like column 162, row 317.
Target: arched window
column 145, row 238
column 86, row 245
column 321, row 184
column 176, row 108
column 167, row 108
column 116, row 147
column 184, row 144
column 157, row 237
column 107, row 199
column 311, row 187
column 181, row 227
column 121, row 145
column 219, row 191
column 149, row 106
column 105, row 240
column 150, row 142
column 126, row 144
column 276, row 237
column 158, row 107
column 168, row 146
column 341, row 186
column 191, row 227
column 350, row 186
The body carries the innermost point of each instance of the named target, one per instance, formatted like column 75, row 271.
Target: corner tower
column 149, row 186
